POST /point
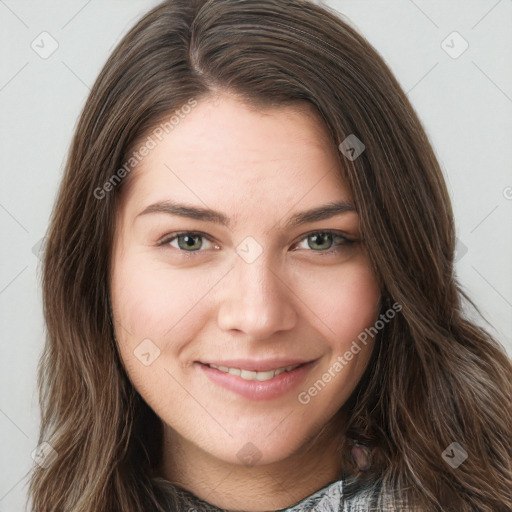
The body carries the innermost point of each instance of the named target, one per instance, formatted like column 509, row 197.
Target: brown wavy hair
column 434, row 377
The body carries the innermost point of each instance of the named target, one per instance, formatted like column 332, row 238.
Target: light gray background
column 465, row 104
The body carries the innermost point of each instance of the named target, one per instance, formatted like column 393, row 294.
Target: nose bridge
column 256, row 300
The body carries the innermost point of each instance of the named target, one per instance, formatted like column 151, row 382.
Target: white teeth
column 252, row 375
column 248, row 375
column 265, row 375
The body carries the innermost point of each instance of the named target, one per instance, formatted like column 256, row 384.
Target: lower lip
column 256, row 389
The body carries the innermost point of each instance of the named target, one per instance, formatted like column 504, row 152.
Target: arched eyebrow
column 316, row 214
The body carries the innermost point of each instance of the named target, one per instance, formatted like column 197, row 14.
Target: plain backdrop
column 460, row 84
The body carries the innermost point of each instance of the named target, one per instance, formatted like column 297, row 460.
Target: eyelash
column 335, row 249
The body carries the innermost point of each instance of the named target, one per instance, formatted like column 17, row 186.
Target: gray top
column 327, row 499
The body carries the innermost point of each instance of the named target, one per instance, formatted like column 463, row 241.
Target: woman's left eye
column 323, row 238
column 191, row 241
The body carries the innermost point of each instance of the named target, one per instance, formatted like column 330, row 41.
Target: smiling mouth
column 258, row 380
column 254, row 375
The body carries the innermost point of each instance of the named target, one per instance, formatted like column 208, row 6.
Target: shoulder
column 371, row 497
column 334, row 498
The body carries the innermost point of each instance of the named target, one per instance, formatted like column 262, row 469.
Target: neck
column 253, row 488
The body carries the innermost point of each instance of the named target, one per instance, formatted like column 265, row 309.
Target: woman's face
column 253, row 283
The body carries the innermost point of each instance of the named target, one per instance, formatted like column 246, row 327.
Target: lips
column 276, row 380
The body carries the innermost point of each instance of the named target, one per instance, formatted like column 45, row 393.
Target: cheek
column 346, row 301
column 152, row 300
column 135, row 300
column 349, row 304
column 156, row 311
column 358, row 305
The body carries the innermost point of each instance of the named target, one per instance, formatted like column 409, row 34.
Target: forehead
column 226, row 152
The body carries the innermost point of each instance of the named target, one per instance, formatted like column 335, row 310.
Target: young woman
column 249, row 285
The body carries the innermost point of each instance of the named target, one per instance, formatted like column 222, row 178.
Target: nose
column 256, row 301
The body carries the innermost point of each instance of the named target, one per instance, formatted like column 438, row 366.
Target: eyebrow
column 322, row 212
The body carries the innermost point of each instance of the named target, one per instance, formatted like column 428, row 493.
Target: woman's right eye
column 186, row 241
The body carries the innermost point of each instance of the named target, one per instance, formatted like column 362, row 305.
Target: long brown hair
column 435, row 378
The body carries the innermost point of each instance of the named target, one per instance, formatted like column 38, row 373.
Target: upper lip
column 261, row 365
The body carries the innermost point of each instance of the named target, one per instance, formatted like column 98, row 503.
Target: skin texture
column 258, row 168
